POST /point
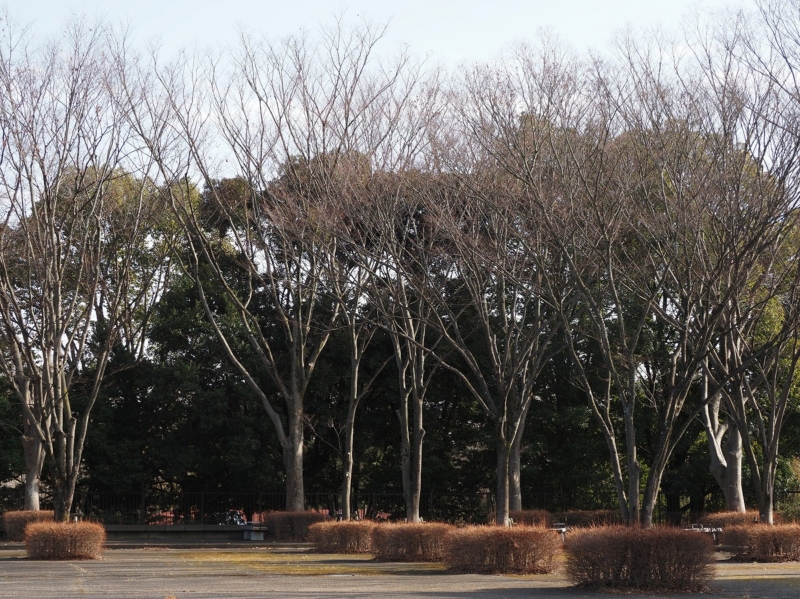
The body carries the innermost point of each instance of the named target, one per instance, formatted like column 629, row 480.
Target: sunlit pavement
column 246, row 572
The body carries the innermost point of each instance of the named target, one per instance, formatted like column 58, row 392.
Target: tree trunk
column 766, row 503
column 405, row 462
column 412, row 508
column 515, row 470
column 503, row 462
column 63, row 496
column 634, row 472
column 347, row 478
column 411, row 454
column 728, row 473
column 34, row 460
column 293, row 462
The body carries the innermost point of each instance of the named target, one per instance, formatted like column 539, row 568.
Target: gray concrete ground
column 250, row 572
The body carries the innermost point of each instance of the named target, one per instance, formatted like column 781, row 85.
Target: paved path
column 249, row 573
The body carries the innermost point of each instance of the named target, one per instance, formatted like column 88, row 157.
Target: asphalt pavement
column 245, row 572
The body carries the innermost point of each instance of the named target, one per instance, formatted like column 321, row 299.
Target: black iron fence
column 215, row 507
column 218, row 507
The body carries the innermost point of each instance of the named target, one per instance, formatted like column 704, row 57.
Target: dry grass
column 292, row 526
column 14, row 523
column 409, row 542
column 496, row 550
column 64, row 540
column 588, row 518
column 309, row 564
column 780, row 543
column 342, row 537
column 527, row 517
column 657, row 559
column 723, row 519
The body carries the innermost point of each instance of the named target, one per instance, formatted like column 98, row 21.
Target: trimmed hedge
column 656, row 559
column 291, row 526
column 422, row 542
column 14, row 523
column 64, row 540
column 588, row 518
column 527, row 517
column 342, row 537
column 780, row 543
column 723, row 519
column 498, row 550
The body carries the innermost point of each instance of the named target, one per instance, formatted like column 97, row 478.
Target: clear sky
column 449, row 31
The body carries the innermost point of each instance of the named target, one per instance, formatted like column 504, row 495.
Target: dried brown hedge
column 291, row 526
column 527, row 517
column 409, row 542
column 64, row 540
column 497, row 550
column 14, row 523
column 723, row 519
column 657, row 559
column 342, row 537
column 763, row 543
column 587, row 518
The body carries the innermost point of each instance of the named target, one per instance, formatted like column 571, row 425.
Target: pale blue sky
column 449, row 31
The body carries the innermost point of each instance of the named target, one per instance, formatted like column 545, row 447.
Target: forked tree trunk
column 728, row 473
column 412, row 435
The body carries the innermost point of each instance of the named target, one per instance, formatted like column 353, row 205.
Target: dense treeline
column 299, row 266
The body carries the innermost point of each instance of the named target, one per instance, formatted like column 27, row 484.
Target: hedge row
column 496, row 550
column 723, row 519
column 14, row 523
column 342, row 537
column 480, row 549
column 659, row 559
column 292, row 526
column 422, row 542
column 527, row 517
column 64, row 540
column 780, row 543
column 588, row 518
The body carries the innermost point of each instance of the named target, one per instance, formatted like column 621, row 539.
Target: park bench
column 561, row 528
column 254, row 531
column 702, row 528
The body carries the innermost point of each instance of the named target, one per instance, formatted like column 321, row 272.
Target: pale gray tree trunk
column 502, row 515
column 725, row 450
column 347, row 461
column 729, row 473
column 34, row 461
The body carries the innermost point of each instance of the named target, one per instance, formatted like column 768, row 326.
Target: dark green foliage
column 11, row 459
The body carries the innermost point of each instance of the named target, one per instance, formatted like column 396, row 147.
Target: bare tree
column 304, row 124
column 632, row 171
column 72, row 224
column 396, row 247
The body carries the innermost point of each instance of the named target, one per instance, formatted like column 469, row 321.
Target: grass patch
column 312, row 564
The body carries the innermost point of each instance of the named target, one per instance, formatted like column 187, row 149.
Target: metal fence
column 217, row 507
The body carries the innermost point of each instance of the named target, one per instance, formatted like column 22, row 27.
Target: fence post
column 202, row 507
